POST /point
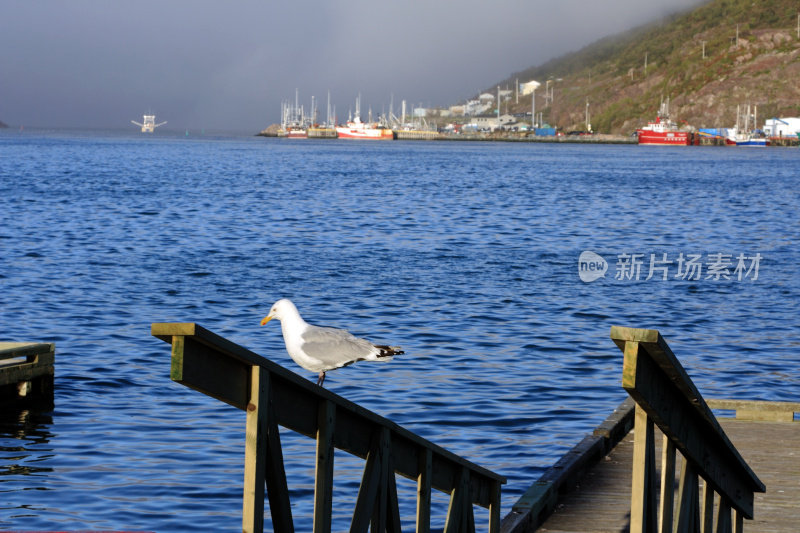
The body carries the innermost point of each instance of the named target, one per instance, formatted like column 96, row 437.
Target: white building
column 782, row 127
column 491, row 122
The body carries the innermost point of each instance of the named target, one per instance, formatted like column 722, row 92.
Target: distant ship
column 745, row 137
column 356, row 129
column 149, row 124
column 663, row 132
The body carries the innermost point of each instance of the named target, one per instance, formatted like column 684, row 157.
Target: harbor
column 662, row 131
column 465, row 254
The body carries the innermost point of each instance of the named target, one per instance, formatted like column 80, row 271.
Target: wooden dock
column 599, row 500
column 610, row 481
column 271, row 396
column 26, row 372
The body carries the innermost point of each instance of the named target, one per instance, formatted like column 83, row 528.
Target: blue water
column 465, row 254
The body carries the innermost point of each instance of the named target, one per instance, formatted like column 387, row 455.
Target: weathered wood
column 27, row 373
column 643, row 487
column 667, row 485
column 724, row 524
column 255, row 454
column 707, row 509
column 424, row 492
column 323, row 478
column 277, row 486
column 759, row 410
column 656, row 380
column 25, row 361
column 601, row 502
column 687, row 514
column 221, row 369
column 539, row 500
column 460, row 518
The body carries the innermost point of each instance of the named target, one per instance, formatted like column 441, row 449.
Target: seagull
column 320, row 349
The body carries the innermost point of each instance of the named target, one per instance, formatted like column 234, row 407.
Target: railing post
column 643, row 486
column 255, row 453
column 707, row 512
column 494, row 509
column 688, row 515
column 323, row 487
column 667, row 485
column 424, row 491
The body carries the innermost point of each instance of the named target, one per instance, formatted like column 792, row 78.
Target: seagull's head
column 280, row 310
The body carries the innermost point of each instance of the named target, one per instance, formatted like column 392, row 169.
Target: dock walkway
column 734, row 473
column 601, row 501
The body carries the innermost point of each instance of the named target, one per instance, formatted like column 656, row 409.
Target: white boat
column 746, row 137
column 148, row 123
column 355, row 128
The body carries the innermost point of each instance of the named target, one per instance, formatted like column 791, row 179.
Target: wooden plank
column 424, row 491
column 643, row 485
column 15, row 350
column 539, row 500
column 687, row 514
column 323, row 478
column 25, row 361
column 204, row 369
column 759, row 410
column 666, row 504
column 255, row 454
column 683, row 419
column 601, row 502
column 724, row 524
column 707, row 509
column 212, row 359
column 369, row 489
column 494, row 510
column 277, row 486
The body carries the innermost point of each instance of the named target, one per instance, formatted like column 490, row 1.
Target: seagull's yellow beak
column 266, row 319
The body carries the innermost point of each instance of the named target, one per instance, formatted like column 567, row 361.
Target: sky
column 228, row 65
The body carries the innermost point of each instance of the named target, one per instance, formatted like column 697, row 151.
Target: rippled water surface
column 466, row 254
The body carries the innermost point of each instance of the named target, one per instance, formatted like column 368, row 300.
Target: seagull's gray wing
column 335, row 347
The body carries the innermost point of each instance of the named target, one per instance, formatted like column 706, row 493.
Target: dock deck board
column 601, row 501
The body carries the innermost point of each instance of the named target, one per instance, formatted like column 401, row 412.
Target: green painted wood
column 656, row 380
column 424, row 492
column 25, row 361
column 221, row 369
column 255, row 455
column 644, row 517
column 323, row 479
column 687, row 513
column 666, row 503
column 277, row 486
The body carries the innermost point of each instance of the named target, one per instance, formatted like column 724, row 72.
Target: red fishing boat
column 663, row 132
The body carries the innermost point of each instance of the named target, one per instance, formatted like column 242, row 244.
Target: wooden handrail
column 272, row 395
column 665, row 396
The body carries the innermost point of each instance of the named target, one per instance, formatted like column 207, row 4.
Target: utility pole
column 737, row 36
column 704, row 49
column 533, row 110
column 516, row 92
column 588, row 124
column 498, row 104
column 645, row 63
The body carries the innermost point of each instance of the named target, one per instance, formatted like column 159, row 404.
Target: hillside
column 762, row 69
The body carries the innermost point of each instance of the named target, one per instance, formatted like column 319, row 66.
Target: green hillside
column 762, row 69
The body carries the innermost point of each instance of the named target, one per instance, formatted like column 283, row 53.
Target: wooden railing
column 272, row 396
column 666, row 397
column 26, row 372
